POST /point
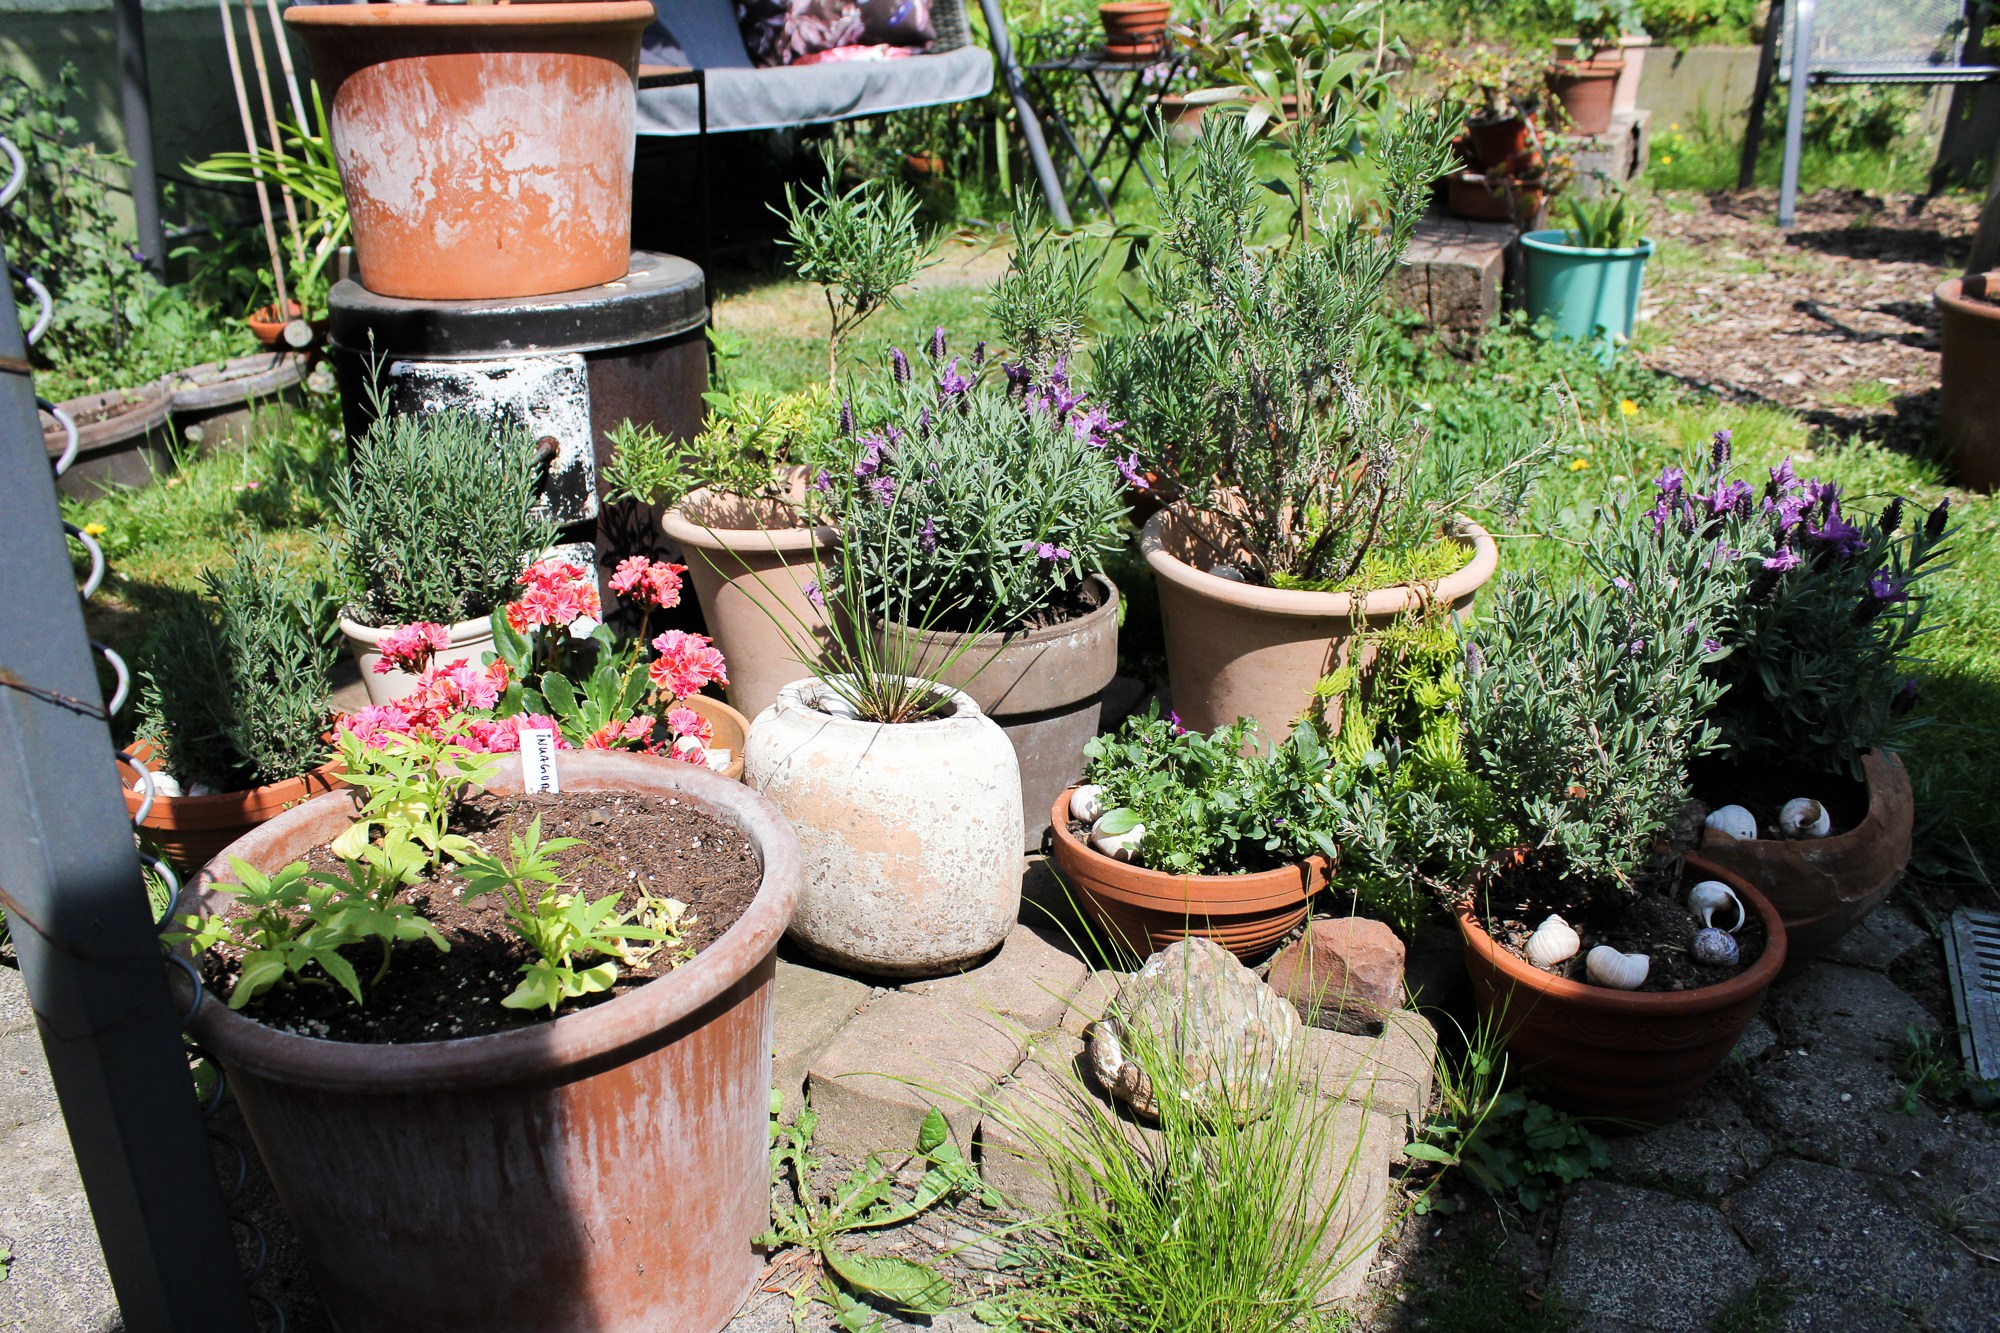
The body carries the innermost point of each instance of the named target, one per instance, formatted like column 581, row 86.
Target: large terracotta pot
column 1585, row 88
column 605, row 1171
column 191, row 830
column 1479, row 198
column 1044, row 687
column 1134, row 29
column 1624, row 1055
column 1240, row 650
column 753, row 568
column 486, row 150
column 469, row 639
column 911, row 830
column 1141, row 911
column 1823, row 887
column 1969, row 404
column 122, row 439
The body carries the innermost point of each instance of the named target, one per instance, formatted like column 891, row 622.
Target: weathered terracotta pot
column 1240, row 650
column 1624, row 1055
column 1134, row 29
column 1044, row 687
column 470, row 639
column 1584, row 88
column 1141, row 911
column 214, row 403
column 911, row 831
column 752, row 566
column 268, row 326
column 732, row 732
column 122, row 439
column 486, row 150
column 1474, row 197
column 1824, row 887
column 1497, row 142
column 191, row 830
column 1969, row 403
column 604, row 1172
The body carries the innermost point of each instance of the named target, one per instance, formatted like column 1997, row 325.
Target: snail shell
column 1118, row 846
column 1710, row 896
column 1804, row 817
column 1087, row 803
column 1553, row 942
column 1734, row 820
column 1620, row 971
column 1714, row 948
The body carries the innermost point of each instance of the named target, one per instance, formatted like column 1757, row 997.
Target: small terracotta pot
column 1471, row 196
column 469, row 639
column 1240, row 650
column 1134, row 29
column 1045, row 688
column 603, row 1172
column 1969, row 404
column 1495, row 143
column 122, row 440
column 191, row 831
column 1142, row 911
column 1824, row 887
column 486, row 150
column 1624, row 1055
column 1584, row 89
column 731, row 732
column 269, row 326
column 751, row 566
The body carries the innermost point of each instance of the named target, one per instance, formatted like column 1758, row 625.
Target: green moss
column 1385, row 569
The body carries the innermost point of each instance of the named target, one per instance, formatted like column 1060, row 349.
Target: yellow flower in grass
column 1628, row 407
column 95, row 529
column 1578, row 464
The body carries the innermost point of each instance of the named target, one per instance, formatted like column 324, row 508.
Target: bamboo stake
column 271, row 118
column 256, row 171
column 285, row 63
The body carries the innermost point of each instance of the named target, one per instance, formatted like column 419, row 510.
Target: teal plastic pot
column 1584, row 293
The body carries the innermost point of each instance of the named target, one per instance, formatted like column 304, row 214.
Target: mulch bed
column 1803, row 319
column 632, row 844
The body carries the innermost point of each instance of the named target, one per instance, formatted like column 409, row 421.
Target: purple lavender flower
column 1892, row 515
column 1635, row 648
column 1883, row 588
column 870, row 461
column 937, row 343
column 1780, row 560
column 1934, row 525
column 1789, row 509
column 814, row 595
column 1621, row 583
column 846, row 417
column 884, row 489
column 1710, row 647
column 1128, row 468
column 927, row 539
column 1048, row 551
column 979, row 354
column 1671, row 482
column 900, row 364
column 1020, row 379
column 1719, row 453
column 1726, row 498
column 1783, row 478
column 951, row 384
column 1836, row 534
column 823, row 483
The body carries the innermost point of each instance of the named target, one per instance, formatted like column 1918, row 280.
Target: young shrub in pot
column 597, row 1095
column 234, row 705
column 437, row 519
column 1305, row 507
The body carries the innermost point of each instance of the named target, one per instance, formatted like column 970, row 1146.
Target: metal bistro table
column 1125, row 109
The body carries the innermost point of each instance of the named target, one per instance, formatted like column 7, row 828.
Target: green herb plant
column 413, row 785
column 1609, row 222
column 234, row 686
column 563, row 928
column 1598, row 24
column 1041, row 304
column 753, row 444
column 867, row 1199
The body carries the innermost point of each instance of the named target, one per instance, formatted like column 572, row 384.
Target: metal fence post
column 77, row 908
column 1800, row 58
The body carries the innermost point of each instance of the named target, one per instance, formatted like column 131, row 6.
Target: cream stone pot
column 911, row 830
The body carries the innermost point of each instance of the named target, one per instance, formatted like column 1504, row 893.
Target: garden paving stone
column 1849, row 1008
column 1834, row 1106
column 56, row 1282
column 1391, row 1072
column 1043, row 1091
column 1092, row 998
column 1638, row 1259
column 1851, row 1259
column 1029, row 981
column 872, row 1084
column 1882, row 938
column 1352, row 1179
column 1710, row 1149
column 1453, row 271
column 811, row 1006
column 1756, row 1042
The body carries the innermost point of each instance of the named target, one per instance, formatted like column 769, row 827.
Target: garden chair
column 1866, row 41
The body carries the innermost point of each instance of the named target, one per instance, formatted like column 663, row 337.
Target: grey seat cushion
column 699, row 33
column 746, row 98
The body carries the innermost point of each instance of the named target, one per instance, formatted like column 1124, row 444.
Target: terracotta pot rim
column 1597, row 67
column 229, row 805
column 679, row 524
column 593, row 1035
column 1135, row 8
column 1948, row 297
column 458, row 632
column 1873, row 825
column 717, row 709
column 1642, row 1004
column 557, row 13
column 1459, row 584
column 1280, row 882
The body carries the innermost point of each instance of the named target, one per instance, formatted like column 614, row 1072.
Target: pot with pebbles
column 122, row 439
column 575, row 1092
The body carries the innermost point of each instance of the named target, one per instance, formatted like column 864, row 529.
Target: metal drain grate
column 1972, row 955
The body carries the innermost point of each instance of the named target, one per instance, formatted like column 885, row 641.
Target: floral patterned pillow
column 781, row 32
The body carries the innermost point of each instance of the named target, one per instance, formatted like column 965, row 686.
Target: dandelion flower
column 1628, row 407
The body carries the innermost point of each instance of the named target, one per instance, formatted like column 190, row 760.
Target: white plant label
column 538, row 760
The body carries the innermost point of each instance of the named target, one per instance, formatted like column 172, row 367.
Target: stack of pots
column 1507, row 184
column 1587, row 89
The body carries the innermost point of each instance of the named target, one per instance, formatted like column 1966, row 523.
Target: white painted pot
column 911, row 831
column 470, row 639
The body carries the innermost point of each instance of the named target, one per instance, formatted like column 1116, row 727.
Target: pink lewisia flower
column 558, row 595
column 686, row 663
column 635, row 733
column 375, row 724
column 643, row 580
column 687, row 722
column 409, row 648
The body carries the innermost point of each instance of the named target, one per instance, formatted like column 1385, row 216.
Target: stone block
column 1837, row 1106
column 1849, row 1008
column 56, row 1282
column 872, row 1084
column 1881, row 940
column 1453, row 272
column 1344, row 974
column 812, row 1006
column 1028, row 981
column 1351, row 1148
column 1392, row 1073
column 1636, row 1258
column 1092, row 998
column 1600, row 161
column 1052, row 1091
